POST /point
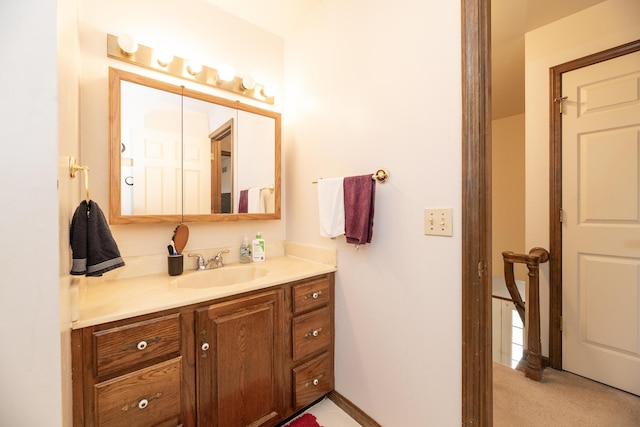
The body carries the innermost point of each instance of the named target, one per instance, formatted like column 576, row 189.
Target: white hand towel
column 268, row 200
column 331, row 206
column 253, row 201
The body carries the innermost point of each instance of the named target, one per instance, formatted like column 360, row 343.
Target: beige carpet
column 560, row 399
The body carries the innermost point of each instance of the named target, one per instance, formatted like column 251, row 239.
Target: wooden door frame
column 477, row 373
column 555, row 190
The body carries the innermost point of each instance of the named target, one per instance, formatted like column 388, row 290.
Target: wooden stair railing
column 532, row 354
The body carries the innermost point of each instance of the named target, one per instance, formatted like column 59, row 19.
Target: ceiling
column 276, row 16
column 510, row 20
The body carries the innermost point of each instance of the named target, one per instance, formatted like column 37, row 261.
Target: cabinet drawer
column 148, row 397
column 311, row 332
column 312, row 380
column 125, row 346
column 309, row 295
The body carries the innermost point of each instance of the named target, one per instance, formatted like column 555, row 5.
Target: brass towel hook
column 73, row 168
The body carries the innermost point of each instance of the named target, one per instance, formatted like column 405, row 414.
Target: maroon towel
column 243, row 203
column 359, row 198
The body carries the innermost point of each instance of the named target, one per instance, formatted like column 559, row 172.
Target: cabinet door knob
column 143, row 403
column 205, row 346
column 316, row 381
column 142, row 345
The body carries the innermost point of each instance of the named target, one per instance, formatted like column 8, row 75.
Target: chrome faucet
column 217, row 260
column 200, row 264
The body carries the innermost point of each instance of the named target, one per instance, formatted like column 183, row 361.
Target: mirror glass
column 181, row 155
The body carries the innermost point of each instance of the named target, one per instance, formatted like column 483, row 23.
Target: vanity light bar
column 146, row 57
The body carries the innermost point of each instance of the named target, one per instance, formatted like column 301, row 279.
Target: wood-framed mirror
column 179, row 155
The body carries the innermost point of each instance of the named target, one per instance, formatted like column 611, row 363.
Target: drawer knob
column 316, row 381
column 205, row 346
column 313, row 295
column 143, row 403
column 142, row 345
column 314, row 333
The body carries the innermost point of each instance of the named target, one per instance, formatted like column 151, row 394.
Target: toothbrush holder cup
column 175, row 264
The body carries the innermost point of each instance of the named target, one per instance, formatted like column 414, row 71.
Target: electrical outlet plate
column 438, row 221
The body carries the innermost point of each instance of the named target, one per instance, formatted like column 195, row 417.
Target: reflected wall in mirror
column 178, row 155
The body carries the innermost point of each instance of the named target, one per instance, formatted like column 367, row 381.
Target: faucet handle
column 218, row 258
column 200, row 261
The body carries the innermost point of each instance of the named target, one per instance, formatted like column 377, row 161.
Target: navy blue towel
column 94, row 250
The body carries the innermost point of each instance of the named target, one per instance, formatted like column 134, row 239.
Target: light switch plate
column 438, row 221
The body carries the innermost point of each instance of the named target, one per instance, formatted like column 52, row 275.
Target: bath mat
column 307, row 420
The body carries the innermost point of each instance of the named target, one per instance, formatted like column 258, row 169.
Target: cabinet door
column 239, row 361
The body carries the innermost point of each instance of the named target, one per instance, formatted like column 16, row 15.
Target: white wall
column 30, row 361
column 190, row 29
column 508, row 222
column 69, row 190
column 377, row 84
column 606, row 25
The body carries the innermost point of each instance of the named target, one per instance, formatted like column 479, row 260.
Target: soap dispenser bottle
column 245, row 250
column 257, row 248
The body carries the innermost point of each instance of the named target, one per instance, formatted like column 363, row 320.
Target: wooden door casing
column 555, row 193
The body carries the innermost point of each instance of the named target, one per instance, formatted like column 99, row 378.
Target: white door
column 601, row 224
column 197, row 174
column 157, row 169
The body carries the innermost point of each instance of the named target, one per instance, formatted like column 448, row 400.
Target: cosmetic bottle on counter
column 245, row 250
column 258, row 249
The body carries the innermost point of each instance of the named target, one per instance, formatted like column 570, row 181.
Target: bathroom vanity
column 163, row 351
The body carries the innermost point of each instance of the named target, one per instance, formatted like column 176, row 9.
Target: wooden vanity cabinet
column 252, row 359
column 133, row 372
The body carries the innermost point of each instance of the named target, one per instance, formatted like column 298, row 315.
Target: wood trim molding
column 477, row 381
column 555, row 190
column 352, row 410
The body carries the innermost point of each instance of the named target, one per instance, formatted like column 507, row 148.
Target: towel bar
column 381, row 175
column 73, row 168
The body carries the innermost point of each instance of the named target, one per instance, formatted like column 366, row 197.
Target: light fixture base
column 178, row 67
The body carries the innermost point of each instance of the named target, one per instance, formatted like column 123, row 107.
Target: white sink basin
column 221, row 276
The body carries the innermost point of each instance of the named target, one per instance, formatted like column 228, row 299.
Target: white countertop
column 106, row 301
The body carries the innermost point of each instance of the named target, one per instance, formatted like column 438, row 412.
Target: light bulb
column 194, row 67
column 225, row 73
column 269, row 91
column 248, row 82
column 127, row 44
column 163, row 56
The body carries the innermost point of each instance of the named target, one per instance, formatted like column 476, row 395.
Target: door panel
column 240, row 375
column 157, row 172
column 601, row 225
column 609, row 176
column 609, row 311
column 197, row 175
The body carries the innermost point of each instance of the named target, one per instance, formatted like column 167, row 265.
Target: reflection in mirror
column 181, row 155
column 203, row 145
